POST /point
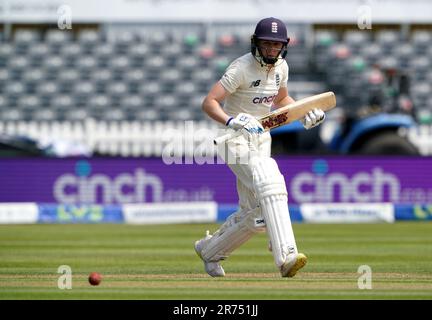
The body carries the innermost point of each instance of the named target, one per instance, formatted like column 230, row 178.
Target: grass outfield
column 158, row 262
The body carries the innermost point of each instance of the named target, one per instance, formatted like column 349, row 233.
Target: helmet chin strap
column 267, row 61
column 270, row 60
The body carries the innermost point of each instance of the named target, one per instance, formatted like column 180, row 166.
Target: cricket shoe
column 292, row 265
column 213, row 268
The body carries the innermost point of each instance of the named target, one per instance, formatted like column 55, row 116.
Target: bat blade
column 297, row 110
column 290, row 113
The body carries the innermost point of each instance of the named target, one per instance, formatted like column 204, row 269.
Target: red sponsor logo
column 274, row 121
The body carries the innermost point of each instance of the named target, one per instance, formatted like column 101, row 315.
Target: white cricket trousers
column 262, row 196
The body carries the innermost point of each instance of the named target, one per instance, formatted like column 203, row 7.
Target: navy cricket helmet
column 270, row 29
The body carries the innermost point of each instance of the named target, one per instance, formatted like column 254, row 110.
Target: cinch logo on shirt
column 263, row 99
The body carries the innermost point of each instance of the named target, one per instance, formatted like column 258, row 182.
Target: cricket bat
column 290, row 113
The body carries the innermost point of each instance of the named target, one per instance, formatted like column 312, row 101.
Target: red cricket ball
column 95, row 278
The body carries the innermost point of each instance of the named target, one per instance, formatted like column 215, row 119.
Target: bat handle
column 226, row 137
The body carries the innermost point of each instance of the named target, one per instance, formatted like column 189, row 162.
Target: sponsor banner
column 158, row 213
column 225, row 210
column 347, row 212
column 54, row 213
column 11, row 213
column 110, row 181
column 418, row 212
column 399, row 180
column 20, row 213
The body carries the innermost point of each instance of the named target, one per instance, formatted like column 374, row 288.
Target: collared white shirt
column 252, row 87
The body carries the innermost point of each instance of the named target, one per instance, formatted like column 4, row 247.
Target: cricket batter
column 252, row 85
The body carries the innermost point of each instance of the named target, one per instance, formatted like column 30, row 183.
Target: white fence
column 124, row 138
column 147, row 138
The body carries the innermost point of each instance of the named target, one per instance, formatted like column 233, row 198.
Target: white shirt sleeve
column 233, row 77
column 284, row 82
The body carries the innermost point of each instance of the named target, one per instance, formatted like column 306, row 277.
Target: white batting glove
column 313, row 118
column 247, row 122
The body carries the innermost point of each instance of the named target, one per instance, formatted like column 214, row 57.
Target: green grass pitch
column 159, row 262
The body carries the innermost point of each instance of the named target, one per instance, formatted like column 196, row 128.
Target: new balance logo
column 255, row 83
column 259, row 223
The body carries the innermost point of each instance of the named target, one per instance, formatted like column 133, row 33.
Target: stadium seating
column 92, row 71
column 162, row 73
column 355, row 55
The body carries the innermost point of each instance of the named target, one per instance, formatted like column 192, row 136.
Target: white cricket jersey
column 251, row 86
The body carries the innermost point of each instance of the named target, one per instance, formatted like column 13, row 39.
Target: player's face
column 270, row 49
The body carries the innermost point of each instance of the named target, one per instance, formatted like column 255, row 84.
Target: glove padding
column 247, row 122
column 313, row 118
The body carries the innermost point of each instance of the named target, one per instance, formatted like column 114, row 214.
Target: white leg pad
column 236, row 230
column 271, row 192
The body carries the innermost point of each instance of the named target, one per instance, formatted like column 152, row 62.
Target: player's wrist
column 229, row 121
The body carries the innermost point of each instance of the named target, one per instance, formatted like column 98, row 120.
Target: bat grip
column 226, row 137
